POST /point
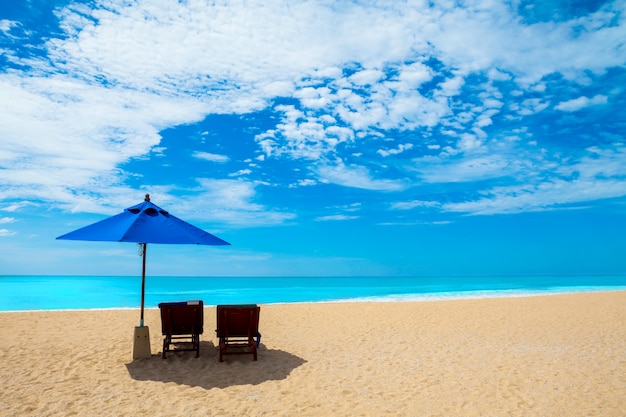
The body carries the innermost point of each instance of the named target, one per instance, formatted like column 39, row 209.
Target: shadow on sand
column 207, row 372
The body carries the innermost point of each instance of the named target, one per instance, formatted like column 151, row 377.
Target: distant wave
column 35, row 293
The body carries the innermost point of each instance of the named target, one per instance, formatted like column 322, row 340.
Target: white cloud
column 357, row 177
column 65, row 133
column 409, row 205
column 568, row 47
column 599, row 175
column 545, row 196
column 335, row 217
column 301, row 136
column 6, row 232
column 398, row 150
column 229, row 202
column 6, row 220
column 581, row 102
column 467, row 169
column 452, row 86
column 598, row 163
column 304, row 183
column 497, row 75
column 469, row 142
column 414, row 75
column 366, row 77
column 531, row 106
column 231, row 194
column 240, row 173
column 17, row 206
column 6, row 25
column 211, row 157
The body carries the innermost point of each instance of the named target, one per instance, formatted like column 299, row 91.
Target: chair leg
column 165, row 346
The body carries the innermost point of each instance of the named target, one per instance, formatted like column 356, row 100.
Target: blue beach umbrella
column 144, row 223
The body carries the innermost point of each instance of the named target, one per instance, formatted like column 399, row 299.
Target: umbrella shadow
column 207, row 372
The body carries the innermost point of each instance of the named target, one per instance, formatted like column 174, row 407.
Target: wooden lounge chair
column 237, row 328
column 182, row 324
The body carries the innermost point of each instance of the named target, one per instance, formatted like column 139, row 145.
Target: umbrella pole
column 141, row 343
column 143, row 280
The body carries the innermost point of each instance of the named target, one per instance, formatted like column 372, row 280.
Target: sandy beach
column 557, row 355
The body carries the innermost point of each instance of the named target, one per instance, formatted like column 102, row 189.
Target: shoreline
column 552, row 355
column 401, row 298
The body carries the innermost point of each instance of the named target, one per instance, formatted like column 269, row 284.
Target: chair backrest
column 186, row 317
column 240, row 320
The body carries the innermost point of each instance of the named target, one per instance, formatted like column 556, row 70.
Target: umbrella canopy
column 144, row 223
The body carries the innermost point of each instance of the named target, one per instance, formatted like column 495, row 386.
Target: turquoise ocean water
column 20, row 293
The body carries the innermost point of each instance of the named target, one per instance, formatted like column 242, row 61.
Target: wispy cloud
column 230, row 202
column 211, row 157
column 357, row 177
column 546, row 196
column 6, row 25
column 6, row 232
column 400, row 149
column 335, row 217
column 466, row 169
column 581, row 102
column 591, row 178
column 11, row 208
column 409, row 205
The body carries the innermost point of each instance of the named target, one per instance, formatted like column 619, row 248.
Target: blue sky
column 317, row 137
